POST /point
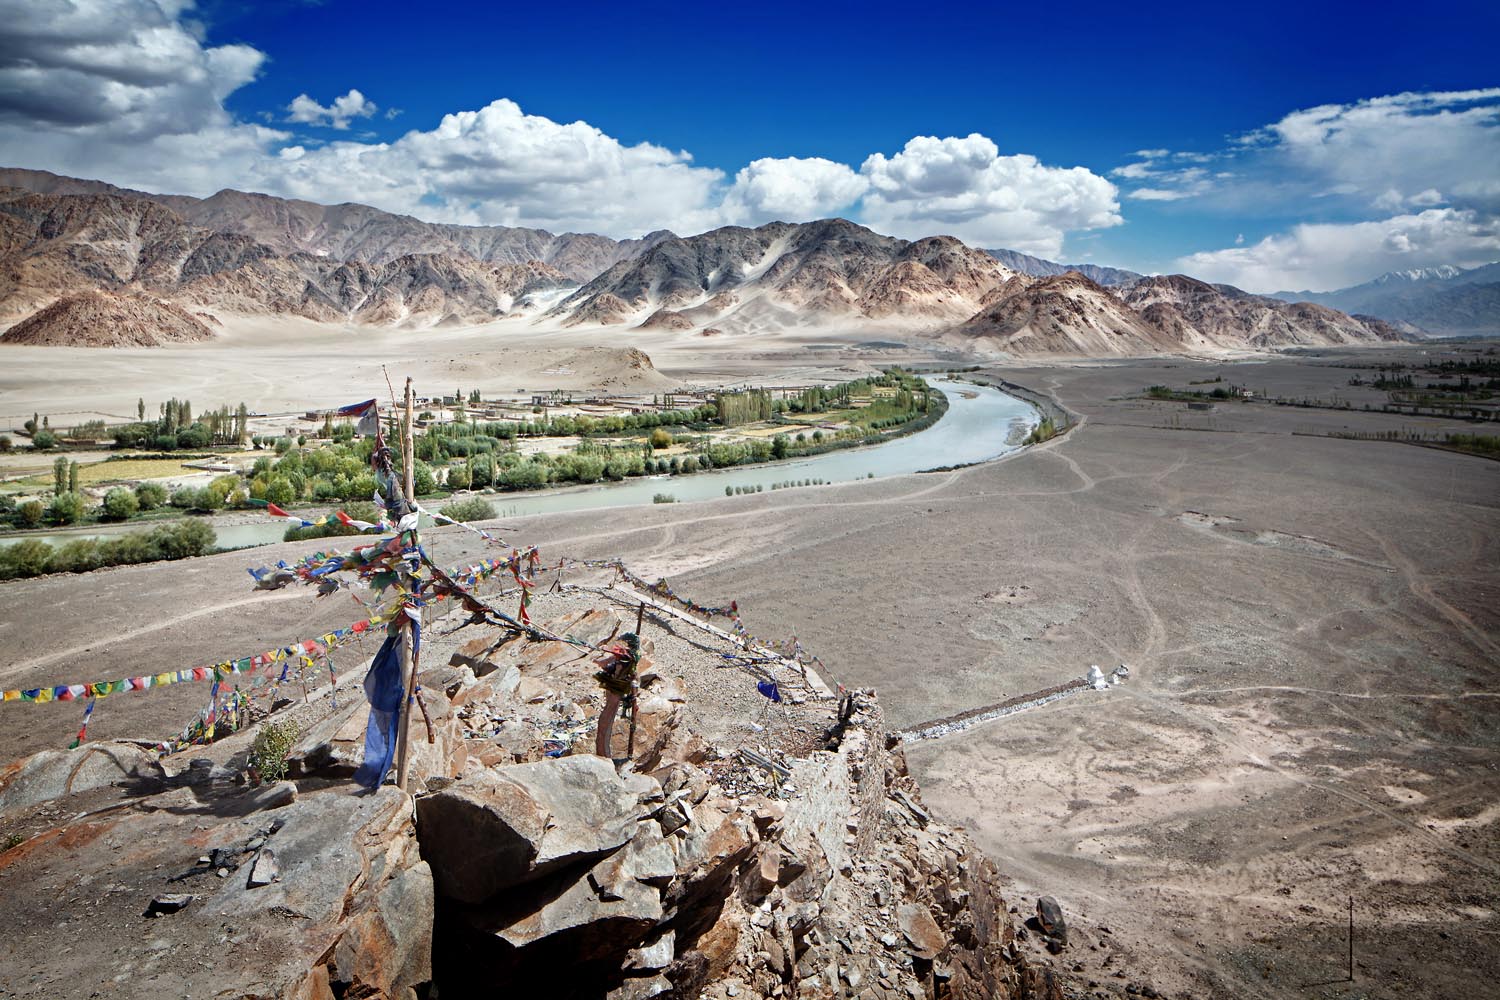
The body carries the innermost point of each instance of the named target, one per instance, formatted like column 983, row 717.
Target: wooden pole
column 409, row 677
column 408, row 449
column 408, row 664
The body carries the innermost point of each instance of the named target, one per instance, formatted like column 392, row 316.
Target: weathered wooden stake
column 408, row 661
column 408, row 449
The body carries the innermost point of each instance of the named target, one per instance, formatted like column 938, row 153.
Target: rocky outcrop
column 106, row 319
column 348, row 911
column 498, row 828
column 675, row 867
column 53, row 774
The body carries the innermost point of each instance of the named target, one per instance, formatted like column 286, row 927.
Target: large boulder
column 602, row 913
column 348, row 913
column 52, row 774
column 495, row 829
column 334, row 746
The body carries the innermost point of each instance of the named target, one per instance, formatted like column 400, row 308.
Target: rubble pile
column 705, row 856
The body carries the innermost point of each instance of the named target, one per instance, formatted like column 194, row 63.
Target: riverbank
column 981, row 428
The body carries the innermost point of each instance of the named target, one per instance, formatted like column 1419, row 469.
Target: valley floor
column 1312, row 626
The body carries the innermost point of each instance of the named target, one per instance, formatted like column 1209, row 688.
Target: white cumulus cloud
column 1417, row 145
column 966, row 188
column 501, row 166
column 1422, row 164
column 1323, row 256
column 128, row 91
column 791, row 189
column 306, row 111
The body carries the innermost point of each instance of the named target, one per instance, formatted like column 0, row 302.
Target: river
column 980, row 424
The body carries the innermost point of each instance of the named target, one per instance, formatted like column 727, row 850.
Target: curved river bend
column 980, row 424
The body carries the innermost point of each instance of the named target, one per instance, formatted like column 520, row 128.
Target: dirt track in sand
column 1311, row 626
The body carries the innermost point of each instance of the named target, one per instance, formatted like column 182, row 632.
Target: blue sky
column 1296, row 145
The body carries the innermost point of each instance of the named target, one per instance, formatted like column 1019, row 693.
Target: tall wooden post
column 408, row 449
column 408, row 664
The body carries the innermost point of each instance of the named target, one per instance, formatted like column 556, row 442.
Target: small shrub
column 268, row 753
column 44, row 440
column 120, row 503
column 30, row 514
column 663, row 498
column 28, row 557
column 149, row 496
column 66, row 508
column 472, row 509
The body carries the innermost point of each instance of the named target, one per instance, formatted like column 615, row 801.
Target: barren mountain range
column 781, row 275
column 180, row 259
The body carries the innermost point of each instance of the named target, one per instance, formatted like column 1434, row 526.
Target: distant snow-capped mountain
column 1442, row 300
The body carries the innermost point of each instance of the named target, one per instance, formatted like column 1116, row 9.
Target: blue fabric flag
column 770, row 690
column 384, row 689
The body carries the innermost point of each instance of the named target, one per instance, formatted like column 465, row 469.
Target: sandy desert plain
column 1312, row 627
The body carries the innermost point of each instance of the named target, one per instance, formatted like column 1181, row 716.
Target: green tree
column 280, row 490
column 140, row 410
column 6, row 444
column 423, row 481
column 120, row 504
column 779, row 446
column 59, row 475
column 481, row 471
column 66, row 508
column 30, row 514
column 661, row 438
column 194, row 436
column 44, row 440
column 73, row 477
column 149, row 496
